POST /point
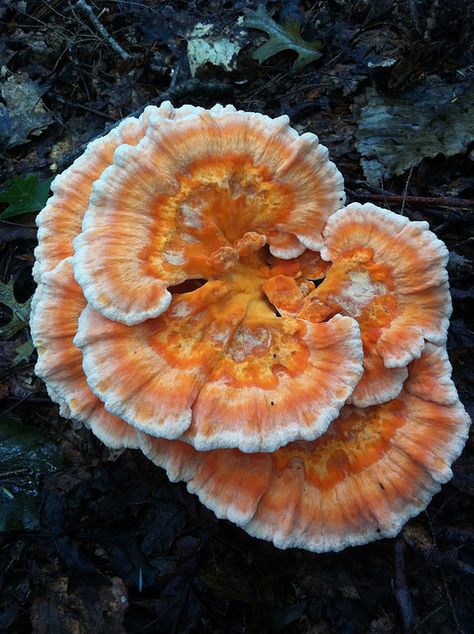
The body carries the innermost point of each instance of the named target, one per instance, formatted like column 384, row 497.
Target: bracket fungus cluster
column 203, row 296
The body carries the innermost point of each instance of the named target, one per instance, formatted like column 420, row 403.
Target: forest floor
column 99, row 541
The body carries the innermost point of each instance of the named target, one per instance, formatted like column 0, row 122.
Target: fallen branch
column 81, row 107
column 82, row 4
column 438, row 201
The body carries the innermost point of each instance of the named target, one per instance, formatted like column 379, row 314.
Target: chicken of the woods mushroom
column 204, row 296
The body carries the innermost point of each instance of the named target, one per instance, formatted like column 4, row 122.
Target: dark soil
column 115, row 547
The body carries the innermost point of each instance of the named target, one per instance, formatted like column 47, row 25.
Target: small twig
column 452, row 607
column 31, row 399
column 82, row 4
column 427, row 617
column 460, row 565
column 405, row 191
column 13, row 233
column 250, row 95
column 401, row 590
column 15, row 404
column 463, row 242
column 187, row 88
column 82, row 107
column 438, row 201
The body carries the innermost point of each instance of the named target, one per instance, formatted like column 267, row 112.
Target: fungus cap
column 61, row 219
column 175, row 206
column 58, row 303
column 390, row 275
column 373, row 469
column 221, row 370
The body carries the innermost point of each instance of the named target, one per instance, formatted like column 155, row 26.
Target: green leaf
column 282, row 38
column 25, row 454
column 21, row 312
column 24, row 195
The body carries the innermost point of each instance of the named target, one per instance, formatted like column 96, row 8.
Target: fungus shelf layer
column 53, row 326
column 221, row 370
column 390, row 275
column 201, row 295
column 190, row 198
column 373, row 469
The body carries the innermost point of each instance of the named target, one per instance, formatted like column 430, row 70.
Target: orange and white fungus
column 58, row 304
column 375, row 468
column 199, row 199
column 390, row 275
column 203, row 296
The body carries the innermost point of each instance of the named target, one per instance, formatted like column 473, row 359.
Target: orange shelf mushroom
column 390, row 275
column 374, row 469
column 53, row 324
column 240, row 379
column 192, row 200
column 200, row 296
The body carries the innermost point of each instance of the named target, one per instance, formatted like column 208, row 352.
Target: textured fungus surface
column 241, row 378
column 199, row 296
column 373, row 469
column 53, row 326
column 390, row 275
column 192, row 199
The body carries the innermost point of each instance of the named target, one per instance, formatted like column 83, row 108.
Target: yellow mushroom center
column 214, row 226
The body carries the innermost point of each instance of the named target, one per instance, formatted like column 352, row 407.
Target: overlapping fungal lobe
column 291, row 280
column 373, row 469
column 222, row 314
column 220, row 369
column 61, row 219
column 390, row 275
column 57, row 306
column 191, row 199
column 175, row 199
